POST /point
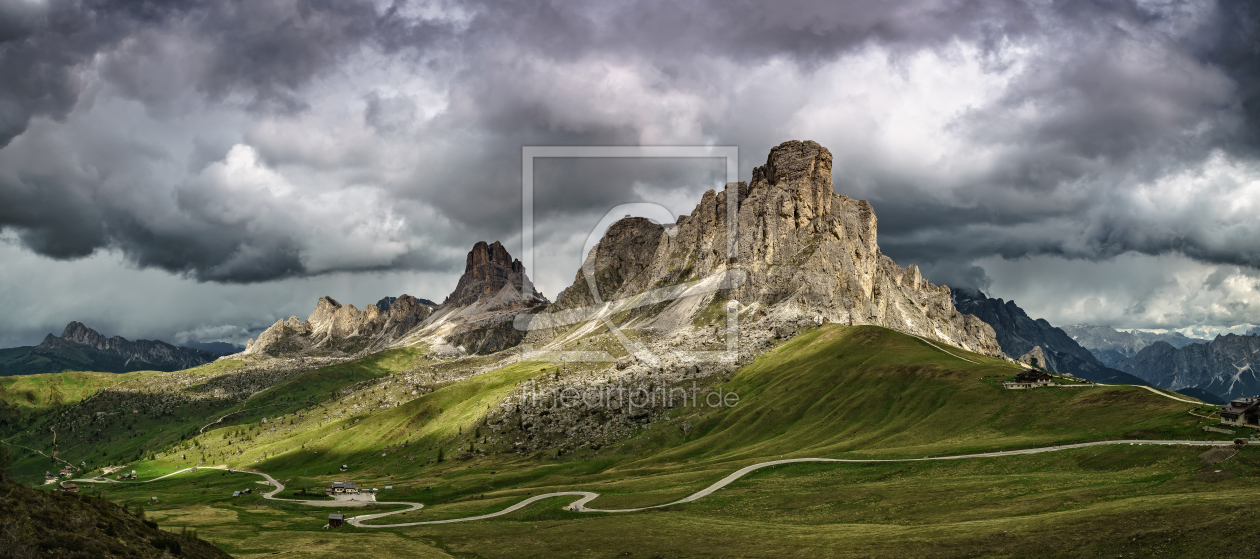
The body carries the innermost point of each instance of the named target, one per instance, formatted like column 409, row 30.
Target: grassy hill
column 147, row 412
column 37, row 392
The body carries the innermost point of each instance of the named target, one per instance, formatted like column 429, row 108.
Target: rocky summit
column 488, row 270
column 800, row 255
column 477, row 317
column 140, row 354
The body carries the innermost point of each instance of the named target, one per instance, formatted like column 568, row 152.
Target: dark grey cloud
column 1133, row 98
column 257, row 55
column 1231, row 42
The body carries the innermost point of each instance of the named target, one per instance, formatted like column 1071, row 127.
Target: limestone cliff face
column 336, row 328
column 807, row 253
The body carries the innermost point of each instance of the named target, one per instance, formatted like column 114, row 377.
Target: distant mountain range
column 80, row 348
column 217, row 348
column 1114, row 348
column 1224, row 367
column 1019, row 334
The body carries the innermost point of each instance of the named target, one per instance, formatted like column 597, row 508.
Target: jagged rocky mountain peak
column 795, row 161
column 337, row 329
column 483, row 254
column 324, row 310
column 802, row 168
column 489, row 270
column 1020, row 335
column 805, row 253
column 79, row 333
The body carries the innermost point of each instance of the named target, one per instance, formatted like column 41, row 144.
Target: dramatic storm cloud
column 267, row 151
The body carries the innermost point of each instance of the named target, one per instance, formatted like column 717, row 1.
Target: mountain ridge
column 1113, row 348
column 1019, row 334
column 81, row 348
column 1226, row 366
column 333, row 328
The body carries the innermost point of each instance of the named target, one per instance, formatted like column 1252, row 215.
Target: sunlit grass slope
column 134, row 437
column 870, row 390
column 35, row 392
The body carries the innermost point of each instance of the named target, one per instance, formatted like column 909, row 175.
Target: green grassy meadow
column 835, row 391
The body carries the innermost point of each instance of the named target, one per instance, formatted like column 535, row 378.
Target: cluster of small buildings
column 1242, row 412
column 1029, row 378
column 49, row 477
column 343, row 488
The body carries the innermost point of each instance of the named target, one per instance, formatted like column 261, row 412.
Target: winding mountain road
column 585, row 497
column 277, row 487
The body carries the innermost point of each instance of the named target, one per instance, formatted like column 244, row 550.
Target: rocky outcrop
column 386, row 302
column 805, row 254
column 1036, row 357
column 477, row 316
column 488, row 269
column 1227, row 366
column 341, row 329
column 83, row 349
column 1019, row 334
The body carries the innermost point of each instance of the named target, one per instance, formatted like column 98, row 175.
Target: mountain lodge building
column 341, row 488
column 1028, row 378
column 1242, row 412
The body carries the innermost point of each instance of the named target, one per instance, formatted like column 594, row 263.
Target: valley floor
column 1096, row 500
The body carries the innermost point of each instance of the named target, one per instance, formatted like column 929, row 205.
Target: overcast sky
column 196, row 170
